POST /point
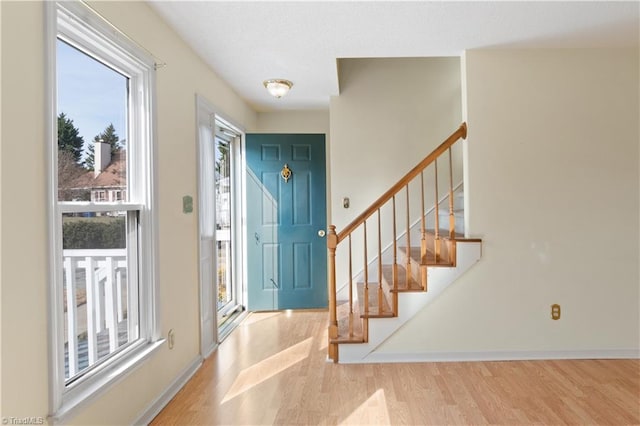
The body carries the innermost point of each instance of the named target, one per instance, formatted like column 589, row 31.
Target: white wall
column 298, row 121
column 24, row 237
column 391, row 113
column 24, row 225
column 553, row 192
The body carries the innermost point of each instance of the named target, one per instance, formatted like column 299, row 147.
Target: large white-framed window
column 103, row 292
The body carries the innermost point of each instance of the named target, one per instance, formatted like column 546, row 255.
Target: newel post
column 332, row 243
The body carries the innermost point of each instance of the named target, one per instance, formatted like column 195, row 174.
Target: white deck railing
column 104, row 283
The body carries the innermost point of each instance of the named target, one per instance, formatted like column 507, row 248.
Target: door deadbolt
column 321, row 233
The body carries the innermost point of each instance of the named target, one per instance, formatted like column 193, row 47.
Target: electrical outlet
column 171, row 339
column 555, row 312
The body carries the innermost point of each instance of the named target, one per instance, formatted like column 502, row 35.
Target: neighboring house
column 108, row 181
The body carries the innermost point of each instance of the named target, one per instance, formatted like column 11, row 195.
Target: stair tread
column 429, row 259
column 374, row 310
column 403, row 286
column 458, row 236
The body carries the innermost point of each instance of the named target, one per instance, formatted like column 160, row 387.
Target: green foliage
column 69, row 139
column 90, row 158
column 109, row 136
column 94, row 233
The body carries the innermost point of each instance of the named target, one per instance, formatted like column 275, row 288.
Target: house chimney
column 102, row 156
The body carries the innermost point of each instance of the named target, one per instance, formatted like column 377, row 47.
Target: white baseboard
column 209, row 351
column 163, row 399
column 376, row 357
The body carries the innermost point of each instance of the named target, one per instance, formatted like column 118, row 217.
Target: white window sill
column 74, row 400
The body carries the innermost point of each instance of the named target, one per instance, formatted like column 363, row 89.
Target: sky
column 90, row 93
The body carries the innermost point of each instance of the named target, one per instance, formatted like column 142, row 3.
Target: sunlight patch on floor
column 373, row 411
column 268, row 367
column 323, row 343
column 259, row 316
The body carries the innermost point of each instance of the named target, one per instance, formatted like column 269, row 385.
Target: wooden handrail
column 461, row 132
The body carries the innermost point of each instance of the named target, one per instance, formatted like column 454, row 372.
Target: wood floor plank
column 273, row 370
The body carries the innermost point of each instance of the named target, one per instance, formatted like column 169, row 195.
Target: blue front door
column 286, row 220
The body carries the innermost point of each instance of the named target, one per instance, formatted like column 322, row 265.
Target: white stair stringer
column 410, row 303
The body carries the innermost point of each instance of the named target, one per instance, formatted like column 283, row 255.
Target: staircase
column 418, row 262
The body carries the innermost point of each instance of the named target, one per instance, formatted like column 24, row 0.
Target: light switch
column 345, row 202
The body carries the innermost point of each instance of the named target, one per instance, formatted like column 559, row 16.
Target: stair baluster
column 395, row 260
column 436, row 240
column 452, row 218
column 350, row 291
column 366, row 271
column 332, row 243
column 423, row 237
column 408, row 257
column 380, row 304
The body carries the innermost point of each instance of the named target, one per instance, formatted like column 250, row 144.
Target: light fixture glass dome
column 277, row 87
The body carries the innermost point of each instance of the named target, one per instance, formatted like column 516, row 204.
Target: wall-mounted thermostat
column 187, row 204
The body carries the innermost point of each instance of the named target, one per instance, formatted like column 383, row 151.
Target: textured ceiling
column 248, row 42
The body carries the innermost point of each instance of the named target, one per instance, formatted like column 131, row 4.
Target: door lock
column 321, row 233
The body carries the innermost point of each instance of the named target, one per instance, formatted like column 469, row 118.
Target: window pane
column 223, row 221
column 100, row 299
column 92, row 128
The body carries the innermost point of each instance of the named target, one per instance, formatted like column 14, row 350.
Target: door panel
column 206, row 221
column 287, row 266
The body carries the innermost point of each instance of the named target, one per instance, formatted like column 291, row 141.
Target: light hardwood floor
column 272, row 370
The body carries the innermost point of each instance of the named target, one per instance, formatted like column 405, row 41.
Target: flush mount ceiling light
column 277, row 87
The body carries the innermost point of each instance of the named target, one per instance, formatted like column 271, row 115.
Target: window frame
column 76, row 23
